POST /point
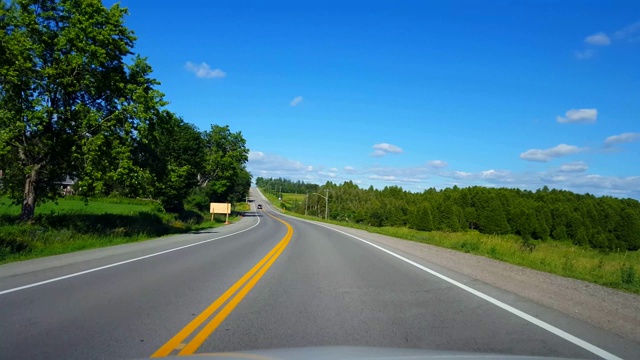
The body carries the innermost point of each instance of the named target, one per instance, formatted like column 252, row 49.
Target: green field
column 71, row 224
column 288, row 199
column 620, row 270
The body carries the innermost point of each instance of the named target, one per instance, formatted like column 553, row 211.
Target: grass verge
column 71, row 224
column 618, row 270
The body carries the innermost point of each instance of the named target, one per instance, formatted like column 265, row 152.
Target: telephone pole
column 326, row 203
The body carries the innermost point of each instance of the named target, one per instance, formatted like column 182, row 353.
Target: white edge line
column 121, row 262
column 546, row 326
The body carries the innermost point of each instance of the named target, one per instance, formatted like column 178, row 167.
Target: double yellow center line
column 245, row 284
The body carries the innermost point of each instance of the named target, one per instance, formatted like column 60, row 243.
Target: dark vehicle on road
column 259, row 206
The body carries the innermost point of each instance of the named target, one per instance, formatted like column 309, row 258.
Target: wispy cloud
column 546, row 155
column 383, row 149
column 573, row 167
column 600, row 39
column 571, row 176
column 437, row 164
column 579, row 116
column 204, row 71
column 585, row 54
column 630, row 33
column 622, row 138
column 296, row 100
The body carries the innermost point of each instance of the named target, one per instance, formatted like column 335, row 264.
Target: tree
column 420, row 217
column 628, row 230
column 175, row 155
column 225, row 157
column 492, row 217
column 67, row 95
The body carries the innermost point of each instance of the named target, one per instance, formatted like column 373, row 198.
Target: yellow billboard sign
column 220, row 208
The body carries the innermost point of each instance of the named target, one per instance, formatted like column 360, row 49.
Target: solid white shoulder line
column 563, row 334
column 121, row 262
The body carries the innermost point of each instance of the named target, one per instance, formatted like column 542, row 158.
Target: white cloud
column 585, row 54
column 394, row 179
column 499, row 175
column 255, row 155
column 296, row 100
column 383, row 177
column 631, row 33
column 204, row 70
column 329, row 174
column 437, row 164
column 600, row 39
column 622, row 138
column 461, row 175
column 579, row 116
column 383, row 149
column 548, row 154
column 333, row 169
column 570, row 176
column 574, row 167
column 272, row 164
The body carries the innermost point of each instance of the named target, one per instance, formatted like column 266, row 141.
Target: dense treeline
column 281, row 185
column 72, row 107
column 599, row 222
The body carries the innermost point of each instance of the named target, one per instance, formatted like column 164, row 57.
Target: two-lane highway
column 269, row 281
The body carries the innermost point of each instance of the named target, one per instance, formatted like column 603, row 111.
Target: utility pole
column 326, row 203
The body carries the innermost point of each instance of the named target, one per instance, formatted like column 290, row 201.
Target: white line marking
column 121, row 262
column 552, row 329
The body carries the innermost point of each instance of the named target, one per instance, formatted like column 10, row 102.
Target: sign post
column 220, row 208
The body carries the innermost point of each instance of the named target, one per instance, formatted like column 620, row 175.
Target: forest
column 603, row 223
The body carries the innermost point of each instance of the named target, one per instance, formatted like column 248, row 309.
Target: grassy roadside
column 619, row 270
column 73, row 225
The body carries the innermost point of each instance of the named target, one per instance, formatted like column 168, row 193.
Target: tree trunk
column 29, row 196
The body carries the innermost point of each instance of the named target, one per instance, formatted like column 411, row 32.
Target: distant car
column 259, row 206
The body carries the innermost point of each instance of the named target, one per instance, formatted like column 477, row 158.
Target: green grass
column 241, row 206
column 619, row 270
column 288, row 199
column 72, row 224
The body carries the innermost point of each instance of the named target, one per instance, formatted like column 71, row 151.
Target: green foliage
column 76, row 101
column 628, row 274
column 281, row 185
column 224, row 175
column 75, row 224
column 604, row 223
column 197, row 199
column 68, row 99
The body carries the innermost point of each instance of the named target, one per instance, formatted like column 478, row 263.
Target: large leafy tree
column 69, row 105
column 175, row 158
column 226, row 154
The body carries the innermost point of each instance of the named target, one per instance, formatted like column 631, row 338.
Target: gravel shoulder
column 612, row 310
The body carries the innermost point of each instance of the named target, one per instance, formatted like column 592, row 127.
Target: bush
column 197, row 200
column 628, row 274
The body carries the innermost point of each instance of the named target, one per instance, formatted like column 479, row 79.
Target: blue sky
column 418, row 94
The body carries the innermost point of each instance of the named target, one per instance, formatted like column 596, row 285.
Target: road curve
column 264, row 283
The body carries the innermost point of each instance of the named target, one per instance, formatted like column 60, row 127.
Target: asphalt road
column 269, row 281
